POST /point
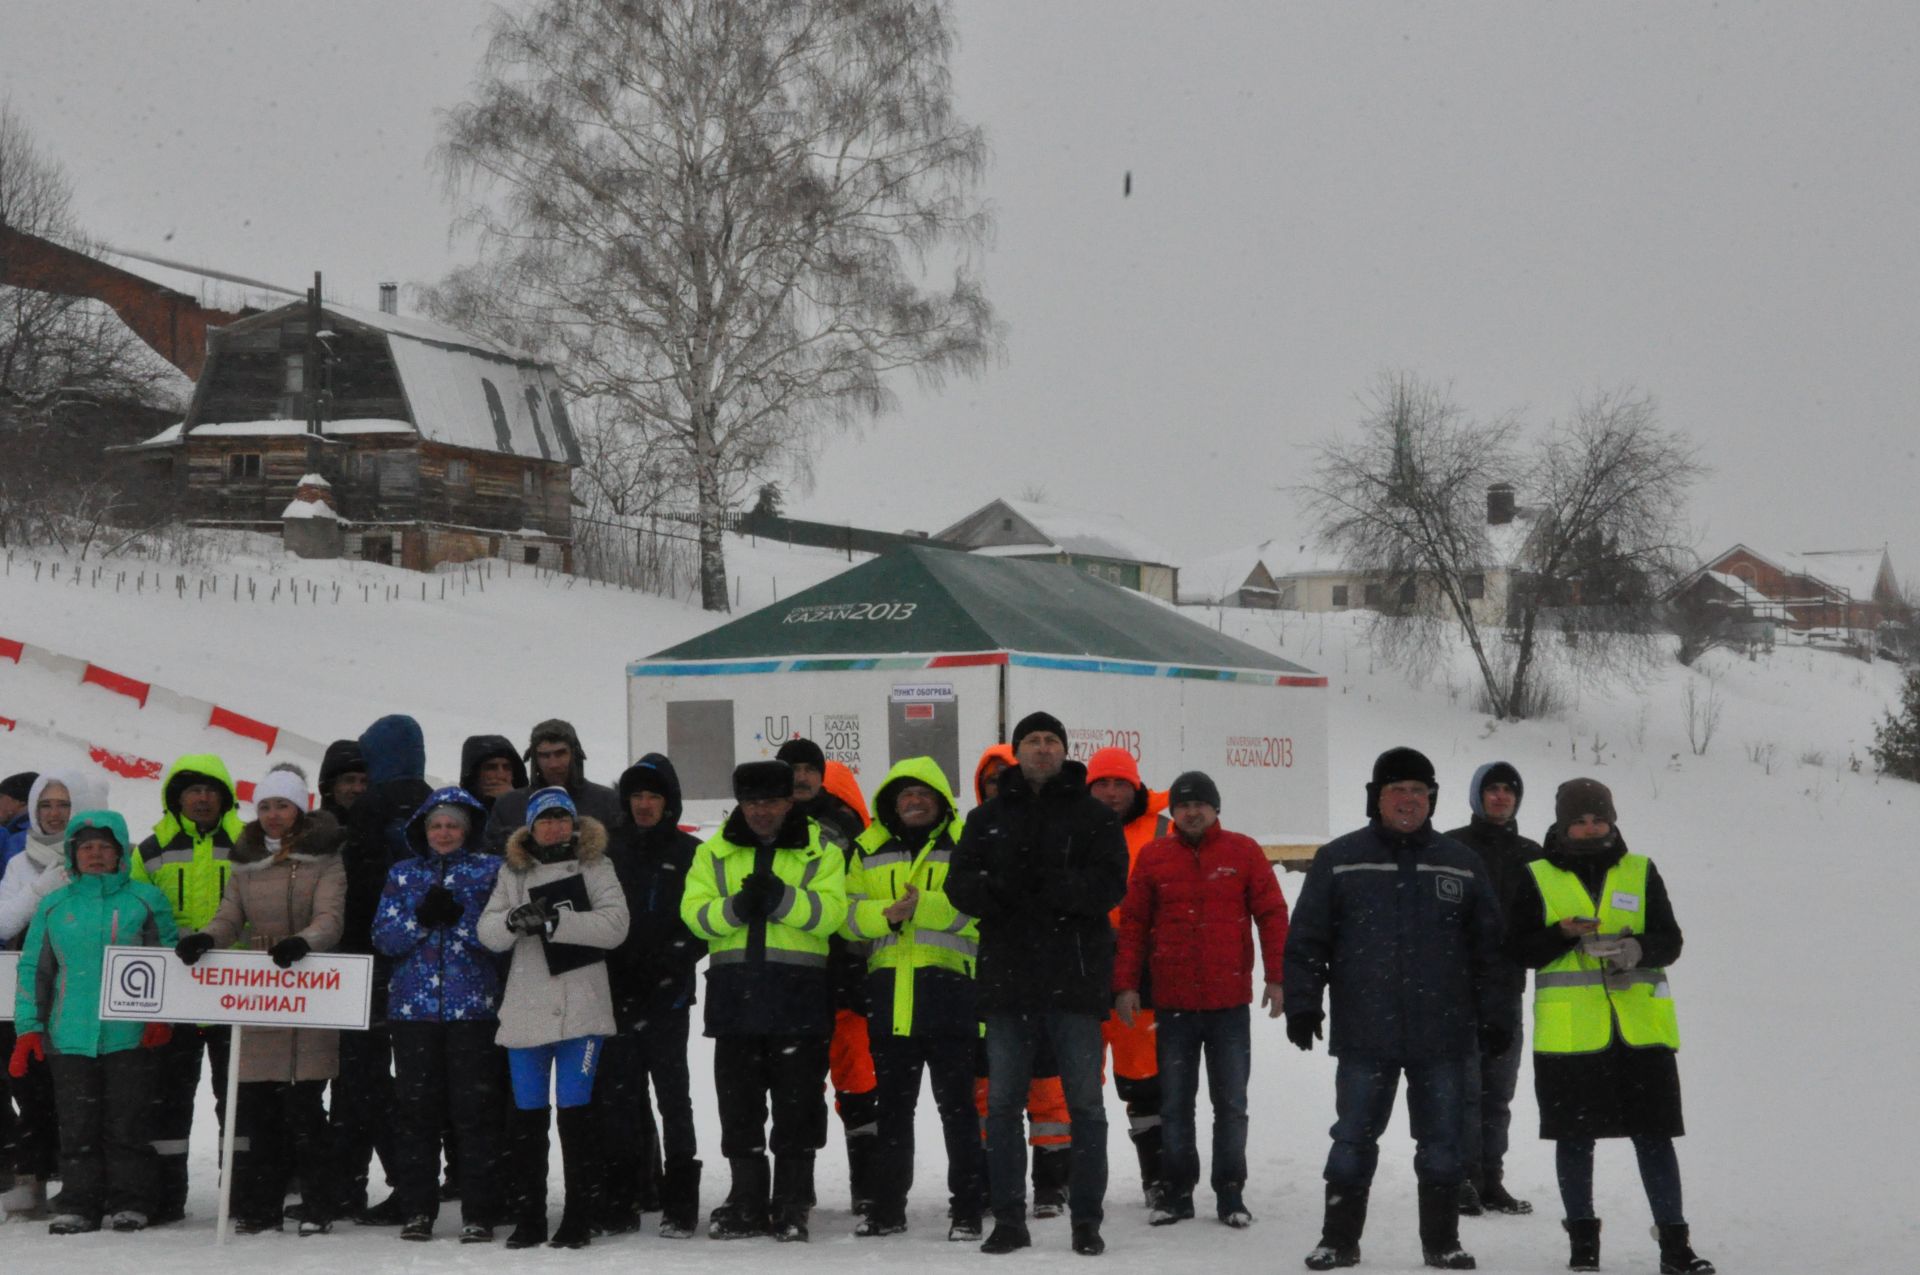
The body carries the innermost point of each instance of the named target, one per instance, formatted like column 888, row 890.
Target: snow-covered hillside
column 1791, row 873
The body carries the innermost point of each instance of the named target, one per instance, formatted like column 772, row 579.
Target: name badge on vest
column 1623, row 902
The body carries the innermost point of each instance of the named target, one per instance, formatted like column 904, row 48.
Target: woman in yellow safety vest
column 1594, row 920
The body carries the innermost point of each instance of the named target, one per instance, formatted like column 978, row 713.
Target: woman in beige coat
column 286, row 896
column 558, row 907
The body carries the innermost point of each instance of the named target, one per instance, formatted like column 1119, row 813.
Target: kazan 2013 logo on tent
column 134, row 983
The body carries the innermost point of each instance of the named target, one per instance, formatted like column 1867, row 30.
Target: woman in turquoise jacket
column 102, row 1070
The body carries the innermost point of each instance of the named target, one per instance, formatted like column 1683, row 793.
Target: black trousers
column 655, row 1053
column 29, row 1141
column 280, row 1134
column 447, row 1077
column 787, row 1072
column 948, row 1062
column 106, row 1160
column 361, row 1114
column 176, row 1089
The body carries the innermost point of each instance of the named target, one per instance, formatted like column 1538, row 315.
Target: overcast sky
column 1715, row 203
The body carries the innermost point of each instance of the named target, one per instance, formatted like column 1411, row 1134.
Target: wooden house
column 439, row 445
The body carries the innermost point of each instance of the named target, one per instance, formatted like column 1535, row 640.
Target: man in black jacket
column 1041, row 865
column 1404, row 927
column 558, row 761
column 651, row 976
column 361, row 1096
column 343, row 778
column 1494, row 834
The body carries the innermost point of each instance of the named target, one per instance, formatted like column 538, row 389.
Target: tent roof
column 956, row 602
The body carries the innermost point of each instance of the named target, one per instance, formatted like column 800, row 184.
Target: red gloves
column 154, row 1035
column 30, row 1045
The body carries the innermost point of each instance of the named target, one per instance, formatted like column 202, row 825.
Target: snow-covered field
column 1791, row 873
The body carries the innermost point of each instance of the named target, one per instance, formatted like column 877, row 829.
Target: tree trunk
column 713, row 551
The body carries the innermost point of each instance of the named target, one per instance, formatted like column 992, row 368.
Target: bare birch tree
column 720, row 213
column 1406, row 502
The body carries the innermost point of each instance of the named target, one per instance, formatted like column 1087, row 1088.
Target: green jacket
column 188, row 866
column 921, row 969
column 59, row 991
column 768, row 976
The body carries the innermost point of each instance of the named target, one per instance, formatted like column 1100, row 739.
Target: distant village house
column 1103, row 545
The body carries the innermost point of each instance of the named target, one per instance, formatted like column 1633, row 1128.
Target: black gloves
column 1304, row 1029
column 1495, row 1039
column 438, row 908
column 758, row 896
column 289, row 950
column 193, row 947
column 529, row 918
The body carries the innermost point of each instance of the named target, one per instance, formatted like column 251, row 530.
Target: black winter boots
column 1676, row 1252
column 792, row 1197
column 1346, row 1218
column 680, row 1199
column 744, row 1213
column 580, row 1161
column 1583, row 1243
column 1153, row 1179
column 1051, row 1167
column 1495, row 1197
column 527, row 1153
column 1440, row 1227
column 862, row 1156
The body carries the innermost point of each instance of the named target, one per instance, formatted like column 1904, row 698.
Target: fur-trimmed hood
column 590, row 843
column 315, row 835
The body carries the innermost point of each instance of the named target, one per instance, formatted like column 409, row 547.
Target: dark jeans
column 1226, row 1037
column 1483, row 1141
column 448, row 1077
column 106, row 1160
column 1659, row 1174
column 1012, row 1041
column 30, row 1141
column 948, row 1062
column 790, row 1072
column 656, row 1053
column 1364, row 1089
column 176, row 1089
column 280, row 1134
column 361, row 1114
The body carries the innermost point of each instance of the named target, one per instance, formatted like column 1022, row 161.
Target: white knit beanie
column 284, row 784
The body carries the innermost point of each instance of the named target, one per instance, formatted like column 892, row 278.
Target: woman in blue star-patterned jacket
column 441, row 1009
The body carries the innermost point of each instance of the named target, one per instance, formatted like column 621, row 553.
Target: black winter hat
column 20, row 786
column 1579, row 797
column 1039, row 721
column 1194, row 785
column 762, row 780
column 645, row 775
column 1397, row 765
column 803, row 752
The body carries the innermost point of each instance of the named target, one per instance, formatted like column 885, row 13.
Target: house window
column 1475, row 587
column 243, row 465
column 526, row 482
column 1406, row 593
column 377, row 548
column 1006, row 524
column 1375, row 594
column 1340, row 595
column 293, row 373
column 458, row 474
column 531, row 555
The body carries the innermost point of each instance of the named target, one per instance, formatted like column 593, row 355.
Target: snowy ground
column 1791, row 873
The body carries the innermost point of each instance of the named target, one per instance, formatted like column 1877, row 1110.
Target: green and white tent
column 928, row 651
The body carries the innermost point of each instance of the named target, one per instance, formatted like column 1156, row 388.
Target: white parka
column 539, row 1008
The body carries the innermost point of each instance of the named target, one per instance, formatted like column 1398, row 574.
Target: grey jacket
column 539, row 1008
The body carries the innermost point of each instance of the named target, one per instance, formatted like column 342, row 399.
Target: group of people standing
column 536, row 936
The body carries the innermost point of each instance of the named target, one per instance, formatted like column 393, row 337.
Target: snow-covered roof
column 1220, row 575
column 1857, row 571
column 1089, row 534
column 1749, row 597
column 468, row 397
column 309, row 509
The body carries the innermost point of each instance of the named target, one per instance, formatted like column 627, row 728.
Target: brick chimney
column 1500, row 504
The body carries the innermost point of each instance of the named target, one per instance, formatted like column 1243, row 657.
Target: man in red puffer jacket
column 1192, row 905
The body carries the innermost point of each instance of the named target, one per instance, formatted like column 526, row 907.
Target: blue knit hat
column 548, row 799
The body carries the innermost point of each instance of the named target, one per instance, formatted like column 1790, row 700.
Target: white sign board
column 9, row 983
column 322, row 990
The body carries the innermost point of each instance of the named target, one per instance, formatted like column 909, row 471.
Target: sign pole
column 227, row 1132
